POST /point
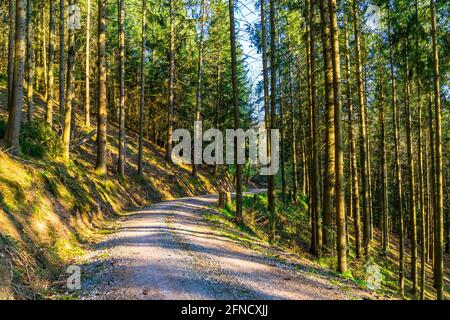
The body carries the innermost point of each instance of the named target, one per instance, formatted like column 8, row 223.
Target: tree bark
column 101, row 165
column 362, row 130
column 314, row 190
column 122, row 138
column 439, row 205
column 293, row 129
column 384, row 175
column 30, row 61
column 142, row 104
column 171, row 83
column 330, row 173
column 62, row 56
column 270, row 178
column 339, row 149
column 411, row 178
column 68, row 109
column 51, row 60
column 234, row 80
column 198, row 96
column 87, row 102
column 11, row 48
column 353, row 159
column 398, row 168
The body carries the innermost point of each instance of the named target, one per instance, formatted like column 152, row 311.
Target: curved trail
column 168, row 251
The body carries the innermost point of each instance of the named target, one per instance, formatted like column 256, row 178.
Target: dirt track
column 168, row 251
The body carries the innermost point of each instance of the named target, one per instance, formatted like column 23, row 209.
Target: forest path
column 169, row 251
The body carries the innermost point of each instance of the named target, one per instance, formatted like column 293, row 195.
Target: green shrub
column 2, row 128
column 38, row 140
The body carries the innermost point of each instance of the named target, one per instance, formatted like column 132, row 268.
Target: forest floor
column 170, row 251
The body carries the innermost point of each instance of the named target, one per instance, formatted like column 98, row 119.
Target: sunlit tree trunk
column 15, row 112
column 432, row 177
column 314, row 180
column 68, row 109
column 218, row 105
column 330, row 174
column 398, row 169
column 44, row 52
column 51, row 60
column 87, row 102
column 439, row 205
column 411, row 178
column 62, row 56
column 293, row 129
column 30, row 61
column 384, row 175
column 339, row 149
column 171, row 82
column 11, row 48
column 420, row 161
column 270, row 178
column 142, row 104
column 353, row 159
column 281, row 125
column 122, row 138
column 362, row 129
column 198, row 97
column 234, row 80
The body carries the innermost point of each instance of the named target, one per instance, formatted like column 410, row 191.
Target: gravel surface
column 169, row 251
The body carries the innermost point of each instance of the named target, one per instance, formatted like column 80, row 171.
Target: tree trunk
column 398, row 168
column 234, row 80
column 122, row 142
column 51, row 60
column 271, row 195
column 314, row 198
column 171, row 83
column 87, row 102
column 282, row 133
column 11, row 49
column 362, row 130
column 102, row 118
column 68, row 109
column 15, row 113
column 411, row 178
column 44, row 52
column 198, row 97
column 62, row 56
column 340, row 195
column 293, row 129
column 330, row 174
column 30, row 61
column 218, row 107
column 384, row 175
column 142, row 105
column 421, row 169
column 353, row 159
column 439, row 205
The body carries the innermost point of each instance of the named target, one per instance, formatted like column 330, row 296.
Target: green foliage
column 38, row 140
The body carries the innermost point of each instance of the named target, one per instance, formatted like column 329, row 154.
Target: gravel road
column 169, row 251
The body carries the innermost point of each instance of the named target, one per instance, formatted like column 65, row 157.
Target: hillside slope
column 51, row 211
